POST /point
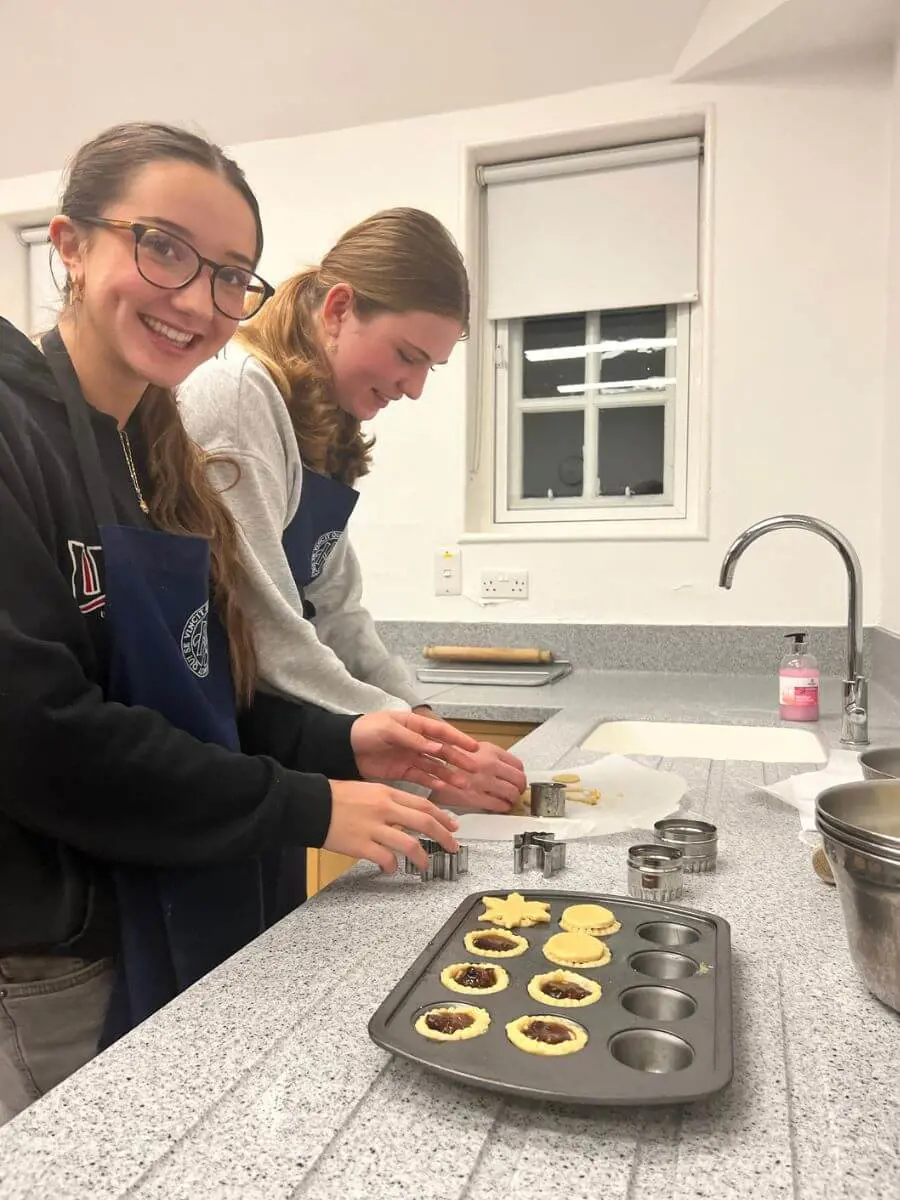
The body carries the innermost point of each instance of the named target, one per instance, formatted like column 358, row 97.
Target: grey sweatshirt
column 232, row 406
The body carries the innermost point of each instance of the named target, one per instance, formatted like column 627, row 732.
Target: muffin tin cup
column 661, row 1033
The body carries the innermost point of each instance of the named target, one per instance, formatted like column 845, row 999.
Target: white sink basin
column 750, row 743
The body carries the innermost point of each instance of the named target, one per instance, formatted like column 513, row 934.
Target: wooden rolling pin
column 487, row 654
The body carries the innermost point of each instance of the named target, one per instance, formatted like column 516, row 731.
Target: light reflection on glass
column 656, row 384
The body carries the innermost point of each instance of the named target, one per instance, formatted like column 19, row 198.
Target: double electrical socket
column 504, row 585
column 495, row 585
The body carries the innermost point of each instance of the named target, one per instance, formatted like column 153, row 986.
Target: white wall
column 797, row 325
column 797, row 319
column 890, row 611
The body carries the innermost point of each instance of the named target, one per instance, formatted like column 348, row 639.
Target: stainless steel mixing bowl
column 860, row 827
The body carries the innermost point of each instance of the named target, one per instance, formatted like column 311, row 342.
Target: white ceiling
column 760, row 37
column 244, row 70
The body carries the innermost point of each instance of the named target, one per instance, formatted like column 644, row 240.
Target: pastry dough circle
column 576, row 950
column 515, row 1033
column 519, row 943
column 590, row 918
column 448, row 979
column 514, row 911
column 479, row 1025
column 536, row 993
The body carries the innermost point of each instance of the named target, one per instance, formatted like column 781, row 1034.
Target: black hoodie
column 85, row 782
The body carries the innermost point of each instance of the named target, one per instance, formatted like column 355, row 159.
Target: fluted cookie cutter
column 697, row 840
column 442, row 864
column 655, row 872
column 538, row 849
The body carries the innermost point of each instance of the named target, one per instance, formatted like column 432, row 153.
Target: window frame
column 664, row 120
column 41, row 313
column 508, row 405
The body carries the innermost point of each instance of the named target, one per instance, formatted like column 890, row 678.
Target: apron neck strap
column 78, row 413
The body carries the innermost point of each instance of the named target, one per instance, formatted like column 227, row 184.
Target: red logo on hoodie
column 86, row 584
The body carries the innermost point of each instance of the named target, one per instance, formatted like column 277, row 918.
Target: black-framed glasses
column 168, row 261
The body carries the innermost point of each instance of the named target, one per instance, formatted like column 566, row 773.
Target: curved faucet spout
column 854, row 730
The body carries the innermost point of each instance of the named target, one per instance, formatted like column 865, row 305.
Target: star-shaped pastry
column 514, row 911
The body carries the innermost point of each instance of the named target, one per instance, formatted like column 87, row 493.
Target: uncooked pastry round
column 590, row 918
column 576, row 950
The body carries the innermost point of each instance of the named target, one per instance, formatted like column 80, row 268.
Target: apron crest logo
column 325, row 543
column 195, row 641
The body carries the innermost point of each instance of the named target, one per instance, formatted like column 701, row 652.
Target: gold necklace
column 132, row 471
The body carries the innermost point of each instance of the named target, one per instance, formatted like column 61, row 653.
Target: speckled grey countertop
column 262, row 1082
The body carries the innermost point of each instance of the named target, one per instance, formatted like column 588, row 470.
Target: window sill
column 590, row 531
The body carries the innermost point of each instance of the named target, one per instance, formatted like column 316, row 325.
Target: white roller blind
column 44, row 299
column 611, row 229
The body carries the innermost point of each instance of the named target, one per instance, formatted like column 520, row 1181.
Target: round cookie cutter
column 655, row 873
column 548, row 799
column 697, row 840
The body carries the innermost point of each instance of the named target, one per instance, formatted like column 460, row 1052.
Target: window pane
column 631, row 450
column 542, row 377
column 552, row 454
column 638, row 364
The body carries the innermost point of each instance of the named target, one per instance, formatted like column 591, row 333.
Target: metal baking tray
column 676, row 1048
column 497, row 675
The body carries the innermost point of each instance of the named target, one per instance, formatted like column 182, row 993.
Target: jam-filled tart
column 551, row 1036
column 452, row 1022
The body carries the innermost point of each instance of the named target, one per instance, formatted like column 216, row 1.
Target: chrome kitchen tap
column 855, row 717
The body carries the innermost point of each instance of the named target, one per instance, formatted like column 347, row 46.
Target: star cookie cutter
column 442, row 864
column 538, row 849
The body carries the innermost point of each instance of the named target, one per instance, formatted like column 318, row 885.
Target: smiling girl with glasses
column 154, row 808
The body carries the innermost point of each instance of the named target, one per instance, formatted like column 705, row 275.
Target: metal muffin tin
column 661, row 1033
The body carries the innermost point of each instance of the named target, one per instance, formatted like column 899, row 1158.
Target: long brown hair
column 399, row 260
column 182, row 499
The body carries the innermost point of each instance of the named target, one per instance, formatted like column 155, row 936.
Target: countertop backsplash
column 695, row 649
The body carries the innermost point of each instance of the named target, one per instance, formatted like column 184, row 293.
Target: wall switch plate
column 504, row 585
column 448, row 571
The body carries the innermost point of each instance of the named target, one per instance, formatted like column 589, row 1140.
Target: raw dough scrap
column 583, row 795
column 574, row 792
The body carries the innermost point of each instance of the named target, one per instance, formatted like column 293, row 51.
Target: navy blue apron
column 169, row 652
column 320, row 520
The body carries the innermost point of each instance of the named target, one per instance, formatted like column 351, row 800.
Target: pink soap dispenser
column 798, row 682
